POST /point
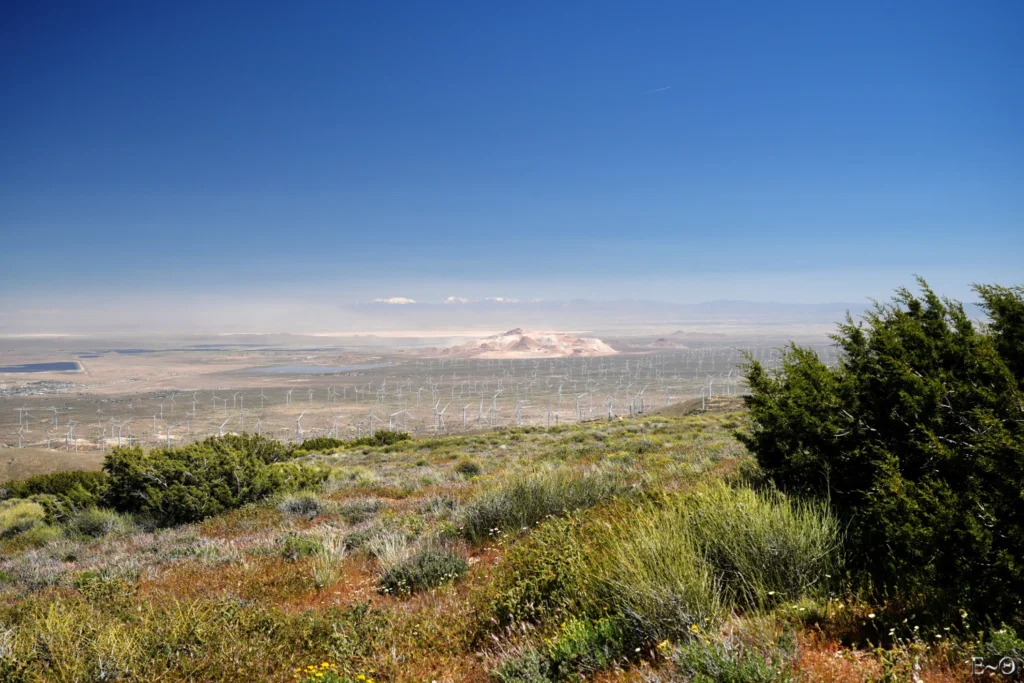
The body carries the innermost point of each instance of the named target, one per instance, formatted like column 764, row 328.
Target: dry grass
column 21, row 463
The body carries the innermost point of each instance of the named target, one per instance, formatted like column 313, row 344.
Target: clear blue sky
column 796, row 151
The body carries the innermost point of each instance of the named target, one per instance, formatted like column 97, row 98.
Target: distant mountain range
column 616, row 317
column 444, row 323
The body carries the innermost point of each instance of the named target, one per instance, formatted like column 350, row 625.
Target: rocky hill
column 520, row 343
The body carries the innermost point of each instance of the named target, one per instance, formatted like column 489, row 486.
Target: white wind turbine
column 579, row 409
column 372, row 418
column 120, row 427
column 440, row 416
column 298, row 426
column 334, row 427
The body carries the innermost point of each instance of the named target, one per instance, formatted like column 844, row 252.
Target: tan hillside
column 520, row 343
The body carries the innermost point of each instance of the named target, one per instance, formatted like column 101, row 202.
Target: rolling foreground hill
column 607, row 550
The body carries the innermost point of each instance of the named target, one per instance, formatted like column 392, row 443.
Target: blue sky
column 790, row 151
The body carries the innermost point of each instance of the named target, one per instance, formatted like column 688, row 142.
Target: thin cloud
column 651, row 92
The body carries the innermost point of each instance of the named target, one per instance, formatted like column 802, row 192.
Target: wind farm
column 172, row 397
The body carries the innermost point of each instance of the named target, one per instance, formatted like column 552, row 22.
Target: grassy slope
column 230, row 599
column 20, row 463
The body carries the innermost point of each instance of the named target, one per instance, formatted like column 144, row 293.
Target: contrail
column 667, row 87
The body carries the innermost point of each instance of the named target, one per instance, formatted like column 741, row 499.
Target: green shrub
column 96, row 522
column 642, row 446
column 327, row 559
column 360, row 509
column 670, row 567
column 39, row 535
column 382, row 437
column 75, row 489
column 98, row 587
column 528, row 666
column 301, row 505
column 425, row 569
column 647, row 568
column 262, row 448
column 916, row 440
column 356, row 540
column 762, row 547
column 467, row 468
column 295, row 546
column 583, row 647
column 322, row 443
column 540, row 577
column 523, row 502
column 707, row 659
column 179, row 485
column 579, row 648
column 18, row 515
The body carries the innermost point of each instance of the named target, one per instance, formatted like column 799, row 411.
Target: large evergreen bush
column 916, row 437
column 178, row 485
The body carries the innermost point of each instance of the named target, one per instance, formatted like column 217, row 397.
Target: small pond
column 59, row 366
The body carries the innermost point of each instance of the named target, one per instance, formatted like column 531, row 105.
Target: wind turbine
column 371, row 419
column 120, row 427
column 579, row 410
column 519, row 413
column 440, row 416
column 220, row 431
column 334, row 427
column 169, row 434
column 298, row 426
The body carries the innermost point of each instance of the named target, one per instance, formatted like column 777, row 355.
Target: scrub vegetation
column 860, row 522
